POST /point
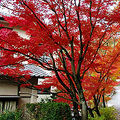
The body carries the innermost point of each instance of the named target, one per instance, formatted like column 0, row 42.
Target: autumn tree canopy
column 80, row 37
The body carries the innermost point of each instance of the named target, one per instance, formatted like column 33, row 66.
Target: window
column 7, row 105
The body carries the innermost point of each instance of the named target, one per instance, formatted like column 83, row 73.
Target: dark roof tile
column 36, row 71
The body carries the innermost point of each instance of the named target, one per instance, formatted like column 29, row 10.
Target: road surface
column 115, row 101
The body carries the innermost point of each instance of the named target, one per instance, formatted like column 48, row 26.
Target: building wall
column 27, row 96
column 23, row 101
column 34, row 96
column 25, row 91
column 8, row 89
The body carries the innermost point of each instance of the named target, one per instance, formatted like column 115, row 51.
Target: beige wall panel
column 34, row 96
column 23, row 101
column 25, row 91
column 8, row 89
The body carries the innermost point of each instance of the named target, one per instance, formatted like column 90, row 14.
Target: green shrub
column 50, row 111
column 108, row 113
column 97, row 118
column 7, row 115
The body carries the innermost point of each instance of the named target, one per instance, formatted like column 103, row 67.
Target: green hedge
column 108, row 113
column 16, row 115
column 49, row 111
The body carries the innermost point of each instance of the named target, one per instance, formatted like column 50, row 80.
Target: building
column 13, row 96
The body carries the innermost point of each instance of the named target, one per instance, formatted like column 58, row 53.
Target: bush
column 49, row 111
column 108, row 113
column 7, row 115
column 97, row 118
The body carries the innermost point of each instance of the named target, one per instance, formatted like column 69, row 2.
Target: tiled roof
column 36, row 70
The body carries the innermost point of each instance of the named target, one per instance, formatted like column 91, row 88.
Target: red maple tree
column 73, row 33
column 102, row 78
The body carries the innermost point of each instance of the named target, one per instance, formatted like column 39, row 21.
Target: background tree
column 70, row 32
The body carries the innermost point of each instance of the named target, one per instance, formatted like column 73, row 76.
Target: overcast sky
column 5, row 11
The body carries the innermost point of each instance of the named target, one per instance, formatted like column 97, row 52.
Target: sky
column 5, row 11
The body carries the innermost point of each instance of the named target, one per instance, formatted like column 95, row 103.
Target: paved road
column 115, row 101
column 118, row 113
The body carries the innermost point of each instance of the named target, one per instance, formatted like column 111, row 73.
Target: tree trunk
column 76, row 111
column 84, row 108
column 97, row 111
column 90, row 112
column 96, row 103
column 103, row 101
column 84, row 111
